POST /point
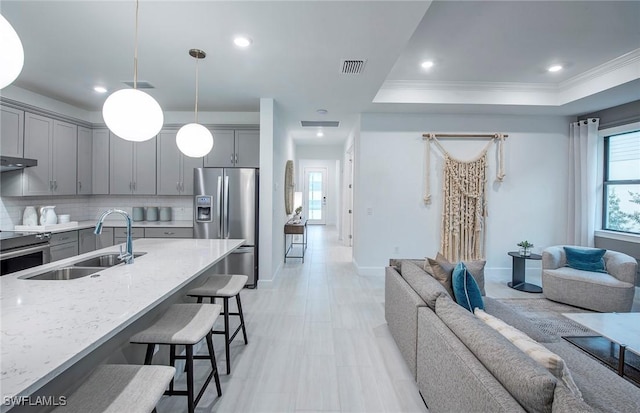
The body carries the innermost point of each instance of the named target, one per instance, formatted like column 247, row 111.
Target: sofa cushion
column 465, row 288
column 545, row 357
column 442, row 270
column 591, row 277
column 586, row 259
column 528, row 382
column 422, row 283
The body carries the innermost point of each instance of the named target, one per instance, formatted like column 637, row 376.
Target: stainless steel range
column 19, row 250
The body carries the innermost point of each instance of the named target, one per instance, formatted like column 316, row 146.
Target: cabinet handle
column 134, row 186
column 55, row 185
column 169, row 233
column 181, row 186
column 50, row 185
column 79, row 186
column 236, row 158
column 232, row 159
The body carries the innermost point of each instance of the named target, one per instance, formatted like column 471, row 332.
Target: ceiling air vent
column 320, row 123
column 141, row 84
column 352, row 66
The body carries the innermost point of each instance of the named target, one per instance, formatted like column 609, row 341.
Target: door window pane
column 315, row 195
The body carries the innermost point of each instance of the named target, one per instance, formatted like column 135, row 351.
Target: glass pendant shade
column 11, row 53
column 132, row 115
column 194, row 140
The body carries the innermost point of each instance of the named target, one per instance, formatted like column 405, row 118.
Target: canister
column 152, row 214
column 138, row 214
column 165, row 213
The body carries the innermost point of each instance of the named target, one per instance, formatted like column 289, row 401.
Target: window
column 622, row 182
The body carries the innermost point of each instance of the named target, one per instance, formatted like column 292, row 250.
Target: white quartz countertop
column 47, row 326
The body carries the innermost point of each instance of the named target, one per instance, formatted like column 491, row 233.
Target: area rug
column 547, row 316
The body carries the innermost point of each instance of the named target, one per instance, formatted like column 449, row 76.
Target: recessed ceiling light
column 242, row 41
column 555, row 68
column 100, row 89
column 319, row 134
column 322, row 111
column 427, row 64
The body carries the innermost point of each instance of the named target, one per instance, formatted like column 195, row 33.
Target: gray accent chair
column 605, row 292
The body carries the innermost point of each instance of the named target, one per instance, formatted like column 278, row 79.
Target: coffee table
column 622, row 329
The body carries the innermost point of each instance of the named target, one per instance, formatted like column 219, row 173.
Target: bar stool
column 115, row 388
column 187, row 325
column 224, row 286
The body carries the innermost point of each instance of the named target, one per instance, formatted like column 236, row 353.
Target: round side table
column 518, row 273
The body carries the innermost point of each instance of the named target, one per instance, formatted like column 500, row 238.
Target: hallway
column 318, row 341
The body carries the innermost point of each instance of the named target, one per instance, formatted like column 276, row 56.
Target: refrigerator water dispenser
column 204, row 208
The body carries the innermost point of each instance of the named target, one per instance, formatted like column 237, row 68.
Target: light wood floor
column 318, row 341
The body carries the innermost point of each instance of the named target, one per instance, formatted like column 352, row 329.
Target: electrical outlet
column 369, row 211
column 396, row 250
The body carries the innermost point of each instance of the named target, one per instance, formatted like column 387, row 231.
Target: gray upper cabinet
column 222, row 154
column 247, row 148
column 11, row 131
column 85, row 156
column 100, row 158
column 54, row 144
column 132, row 167
column 175, row 170
column 64, row 165
column 239, row 148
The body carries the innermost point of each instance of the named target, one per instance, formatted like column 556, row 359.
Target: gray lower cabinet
column 64, row 245
column 87, row 240
column 85, row 164
column 120, row 234
column 132, row 167
column 168, row 232
column 105, row 239
column 11, row 131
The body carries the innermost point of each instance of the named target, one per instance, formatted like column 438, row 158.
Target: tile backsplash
column 82, row 208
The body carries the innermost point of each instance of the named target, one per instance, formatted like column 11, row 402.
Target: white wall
column 530, row 204
column 275, row 149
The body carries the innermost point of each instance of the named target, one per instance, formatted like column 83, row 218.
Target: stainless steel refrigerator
column 226, row 206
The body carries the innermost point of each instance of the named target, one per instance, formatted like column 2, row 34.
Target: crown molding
column 618, row 64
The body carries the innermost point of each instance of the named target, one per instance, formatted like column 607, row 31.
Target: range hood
column 10, row 163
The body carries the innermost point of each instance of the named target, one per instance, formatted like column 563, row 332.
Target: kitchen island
column 48, row 326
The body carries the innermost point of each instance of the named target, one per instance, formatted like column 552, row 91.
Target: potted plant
column 525, row 248
column 298, row 212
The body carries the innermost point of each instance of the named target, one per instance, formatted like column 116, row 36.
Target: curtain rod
column 461, row 135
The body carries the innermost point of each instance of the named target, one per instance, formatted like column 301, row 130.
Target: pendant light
column 11, row 53
column 132, row 114
column 193, row 139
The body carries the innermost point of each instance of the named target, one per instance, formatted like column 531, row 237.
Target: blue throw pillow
column 585, row 259
column 465, row 289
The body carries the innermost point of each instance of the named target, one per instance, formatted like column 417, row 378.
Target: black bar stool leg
column 244, row 331
column 226, row 333
column 214, row 364
column 149, row 356
column 190, row 398
column 172, row 362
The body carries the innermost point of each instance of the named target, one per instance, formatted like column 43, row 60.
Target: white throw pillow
column 546, row 358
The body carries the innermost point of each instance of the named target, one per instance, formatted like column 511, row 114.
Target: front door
column 315, row 195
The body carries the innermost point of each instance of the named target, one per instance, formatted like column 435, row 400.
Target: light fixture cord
column 197, row 59
column 135, row 52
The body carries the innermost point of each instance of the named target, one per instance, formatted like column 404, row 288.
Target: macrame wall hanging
column 464, row 200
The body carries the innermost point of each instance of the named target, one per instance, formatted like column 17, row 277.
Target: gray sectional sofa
column 462, row 365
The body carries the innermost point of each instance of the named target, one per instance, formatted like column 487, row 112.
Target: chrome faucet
column 128, row 256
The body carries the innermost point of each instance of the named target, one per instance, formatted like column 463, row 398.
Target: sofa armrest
column 553, row 257
column 621, row 266
column 401, row 305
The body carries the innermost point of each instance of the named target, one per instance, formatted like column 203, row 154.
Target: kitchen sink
column 104, row 261
column 65, row 273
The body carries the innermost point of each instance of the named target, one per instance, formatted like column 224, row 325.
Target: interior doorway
column 315, row 195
